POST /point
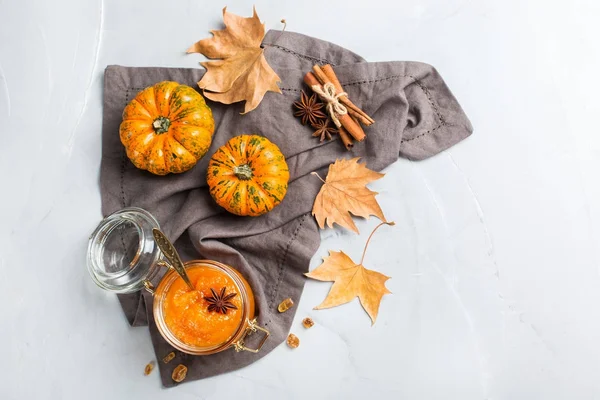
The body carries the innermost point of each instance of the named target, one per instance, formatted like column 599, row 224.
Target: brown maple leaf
column 351, row 280
column 242, row 72
column 344, row 192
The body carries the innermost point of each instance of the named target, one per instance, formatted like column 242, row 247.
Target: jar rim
column 160, row 295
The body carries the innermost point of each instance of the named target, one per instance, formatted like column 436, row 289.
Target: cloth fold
column 416, row 117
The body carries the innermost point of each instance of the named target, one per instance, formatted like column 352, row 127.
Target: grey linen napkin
column 416, row 117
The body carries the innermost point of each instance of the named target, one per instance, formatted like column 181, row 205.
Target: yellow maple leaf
column 344, row 192
column 242, row 72
column 351, row 280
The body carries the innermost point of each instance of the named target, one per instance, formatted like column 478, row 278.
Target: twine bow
column 334, row 108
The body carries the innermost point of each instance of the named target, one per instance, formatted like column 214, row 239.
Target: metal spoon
column 171, row 254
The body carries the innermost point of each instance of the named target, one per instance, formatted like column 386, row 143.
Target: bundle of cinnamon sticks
column 350, row 122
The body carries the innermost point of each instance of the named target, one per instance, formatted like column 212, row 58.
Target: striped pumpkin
column 248, row 175
column 167, row 128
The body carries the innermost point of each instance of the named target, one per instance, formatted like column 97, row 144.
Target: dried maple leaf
column 351, row 280
column 242, row 73
column 344, row 192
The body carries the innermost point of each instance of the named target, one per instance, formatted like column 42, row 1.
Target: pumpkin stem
column 161, row 125
column 243, row 172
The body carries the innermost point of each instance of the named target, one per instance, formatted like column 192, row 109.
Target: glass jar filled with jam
column 218, row 314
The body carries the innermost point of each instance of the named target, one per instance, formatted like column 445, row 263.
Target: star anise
column 324, row 129
column 309, row 109
column 221, row 302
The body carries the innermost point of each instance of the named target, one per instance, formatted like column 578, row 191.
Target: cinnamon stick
column 321, row 75
column 327, row 73
column 311, row 80
column 357, row 115
column 346, row 139
column 346, row 120
column 330, row 74
column 352, row 127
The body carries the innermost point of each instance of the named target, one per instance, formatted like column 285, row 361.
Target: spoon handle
column 171, row 254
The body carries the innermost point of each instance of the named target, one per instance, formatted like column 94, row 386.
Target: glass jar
column 124, row 258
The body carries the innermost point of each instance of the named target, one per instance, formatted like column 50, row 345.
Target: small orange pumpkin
column 248, row 175
column 167, row 128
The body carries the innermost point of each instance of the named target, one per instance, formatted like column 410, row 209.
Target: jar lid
column 122, row 253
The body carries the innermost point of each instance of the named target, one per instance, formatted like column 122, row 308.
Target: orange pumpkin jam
column 186, row 312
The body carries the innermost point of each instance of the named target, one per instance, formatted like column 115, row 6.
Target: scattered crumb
column 293, row 341
column 179, row 373
column 149, row 368
column 308, row 322
column 285, row 305
column 169, row 357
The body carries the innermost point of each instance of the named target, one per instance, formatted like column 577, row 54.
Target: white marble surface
column 494, row 259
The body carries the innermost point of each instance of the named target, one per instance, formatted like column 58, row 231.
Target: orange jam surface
column 186, row 311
